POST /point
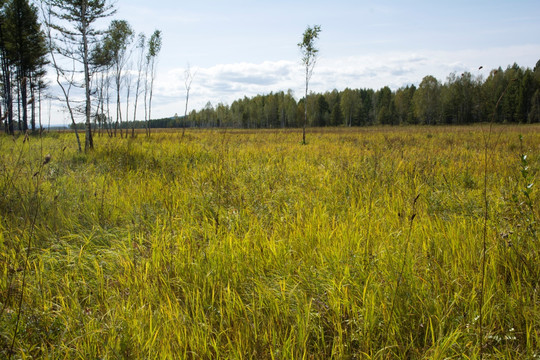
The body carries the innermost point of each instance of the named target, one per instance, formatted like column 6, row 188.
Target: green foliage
column 463, row 99
column 309, row 58
column 427, row 100
column 243, row 244
column 23, row 51
column 154, row 45
column 384, row 106
column 404, row 106
column 307, row 46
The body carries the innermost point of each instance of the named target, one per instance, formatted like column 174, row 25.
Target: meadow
column 366, row 243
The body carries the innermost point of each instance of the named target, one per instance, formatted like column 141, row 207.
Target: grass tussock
column 365, row 244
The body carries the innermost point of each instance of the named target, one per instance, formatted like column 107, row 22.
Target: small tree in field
column 188, row 78
column 309, row 58
column 154, row 47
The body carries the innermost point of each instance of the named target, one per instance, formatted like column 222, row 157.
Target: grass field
column 363, row 244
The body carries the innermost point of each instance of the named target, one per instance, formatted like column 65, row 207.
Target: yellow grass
column 248, row 245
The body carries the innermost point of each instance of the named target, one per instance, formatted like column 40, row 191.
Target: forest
column 462, row 99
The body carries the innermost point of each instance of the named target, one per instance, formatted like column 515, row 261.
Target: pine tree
column 6, row 75
column 26, row 49
column 79, row 35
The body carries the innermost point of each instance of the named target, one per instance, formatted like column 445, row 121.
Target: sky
column 240, row 48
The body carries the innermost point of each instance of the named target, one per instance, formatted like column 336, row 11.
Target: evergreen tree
column 509, row 102
column 323, row 111
column 525, row 96
column 336, row 116
column 349, row 104
column 534, row 112
column 427, row 100
column 385, row 106
column 7, row 93
column 367, row 110
column 25, row 51
column 78, row 18
column 404, row 110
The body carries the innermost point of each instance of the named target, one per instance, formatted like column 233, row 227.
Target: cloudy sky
column 242, row 48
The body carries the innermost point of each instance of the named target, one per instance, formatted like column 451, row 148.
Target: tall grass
column 245, row 244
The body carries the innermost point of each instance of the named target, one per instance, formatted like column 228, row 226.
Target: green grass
column 248, row 245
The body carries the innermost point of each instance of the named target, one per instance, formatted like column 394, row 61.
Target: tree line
column 462, row 99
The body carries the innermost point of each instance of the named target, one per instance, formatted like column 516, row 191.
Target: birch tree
column 141, row 46
column 119, row 36
column 188, row 79
column 309, row 59
column 154, row 47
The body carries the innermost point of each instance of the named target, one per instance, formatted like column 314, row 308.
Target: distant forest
column 463, row 98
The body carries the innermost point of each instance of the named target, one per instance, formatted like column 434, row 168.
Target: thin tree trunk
column 118, row 107
column 108, row 116
column 24, row 101
column 89, row 142
column 8, row 91
column 185, row 113
column 33, row 108
column 146, row 103
column 152, row 74
column 305, row 108
column 66, row 96
column 39, row 110
column 19, row 107
column 128, row 88
column 136, row 103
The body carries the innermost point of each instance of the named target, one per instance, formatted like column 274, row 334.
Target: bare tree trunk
column 140, row 68
column 188, row 76
column 128, row 88
column 39, row 110
column 118, row 107
column 66, row 93
column 33, row 108
column 97, row 116
column 136, row 103
column 89, row 143
column 185, row 113
column 7, row 88
column 68, row 104
column 22, row 128
column 305, row 108
column 108, row 116
column 152, row 77
column 145, row 102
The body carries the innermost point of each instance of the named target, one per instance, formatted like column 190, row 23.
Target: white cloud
column 228, row 82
